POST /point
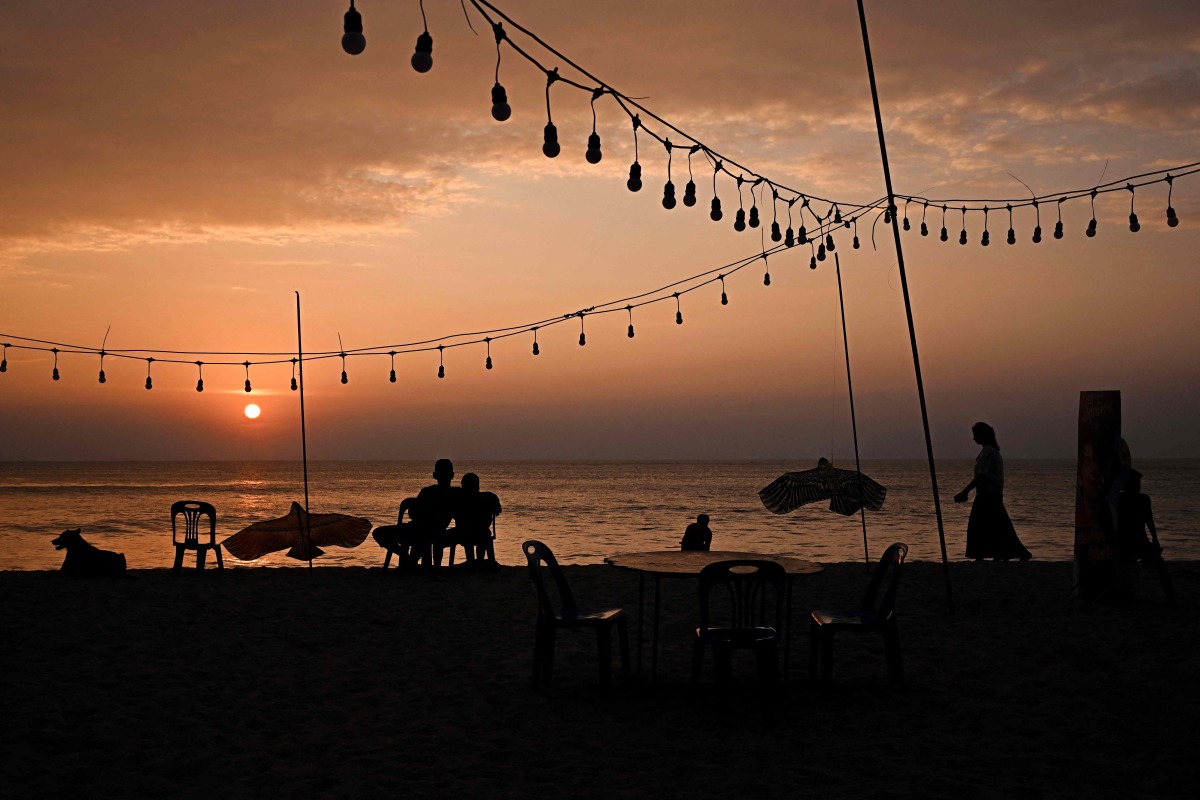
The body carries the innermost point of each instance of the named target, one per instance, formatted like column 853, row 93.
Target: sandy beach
column 364, row 683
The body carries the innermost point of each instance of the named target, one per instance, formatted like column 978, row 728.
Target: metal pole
column 862, row 511
column 912, row 332
column 303, row 433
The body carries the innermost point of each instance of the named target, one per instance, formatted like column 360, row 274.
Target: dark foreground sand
column 361, row 683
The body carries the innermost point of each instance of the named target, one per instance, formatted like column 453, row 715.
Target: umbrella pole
column 912, row 333
column 862, row 511
column 303, row 433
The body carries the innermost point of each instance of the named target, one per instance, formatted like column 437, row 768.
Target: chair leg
column 220, row 561
column 623, row 633
column 201, row 553
column 387, row 557
column 697, row 659
column 891, row 648
column 539, row 645
column 178, row 560
column 604, row 653
column 814, row 649
column 768, row 663
column 548, row 654
column 826, row 655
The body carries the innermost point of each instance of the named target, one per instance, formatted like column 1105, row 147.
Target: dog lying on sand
column 88, row 561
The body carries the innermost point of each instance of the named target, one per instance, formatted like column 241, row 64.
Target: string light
column 149, row 382
column 4, row 362
column 392, row 374
column 441, row 361
column 54, row 374
column 689, row 191
column 200, row 379
column 535, row 343
column 678, row 310
column 345, row 377
column 906, row 225
column 1091, row 228
column 582, row 335
column 550, row 145
column 1058, row 226
column 353, row 41
column 668, row 200
column 1037, row 231
column 739, row 222
column 776, row 233
column 945, row 234
column 766, row 275
column 247, row 365
column 294, row 385
column 986, row 240
column 1012, row 234
column 501, row 110
column 802, row 234
column 724, row 297
column 593, row 153
column 715, row 214
column 422, row 58
column 855, row 243
column 102, row 378
column 488, row 364
column 1134, row 225
column 924, row 227
column 754, row 222
column 789, row 238
column 1172, row 219
column 629, row 308
column 634, row 184
column 812, row 260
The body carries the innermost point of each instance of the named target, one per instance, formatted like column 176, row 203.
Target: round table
column 688, row 563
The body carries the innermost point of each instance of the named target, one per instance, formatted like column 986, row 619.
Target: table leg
column 641, row 606
column 654, row 645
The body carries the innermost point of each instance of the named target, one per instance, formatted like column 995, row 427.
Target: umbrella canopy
column 289, row 533
column 846, row 490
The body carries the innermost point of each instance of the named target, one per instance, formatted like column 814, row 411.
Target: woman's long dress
column 990, row 532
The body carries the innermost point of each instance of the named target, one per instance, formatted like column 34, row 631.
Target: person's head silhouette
column 470, row 482
column 443, row 471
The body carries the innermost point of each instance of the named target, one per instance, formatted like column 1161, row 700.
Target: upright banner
column 1102, row 459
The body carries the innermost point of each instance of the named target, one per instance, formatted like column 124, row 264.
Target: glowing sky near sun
column 178, row 170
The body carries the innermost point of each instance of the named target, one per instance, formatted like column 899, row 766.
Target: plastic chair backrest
column 887, row 569
column 748, row 583
column 542, row 561
column 192, row 511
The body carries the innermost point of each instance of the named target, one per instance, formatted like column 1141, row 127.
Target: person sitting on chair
column 398, row 538
column 697, row 536
column 477, row 511
column 436, row 506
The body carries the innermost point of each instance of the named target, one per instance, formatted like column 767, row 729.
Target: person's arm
column 964, row 495
column 1150, row 524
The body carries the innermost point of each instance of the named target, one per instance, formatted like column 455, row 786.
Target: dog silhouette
column 87, row 561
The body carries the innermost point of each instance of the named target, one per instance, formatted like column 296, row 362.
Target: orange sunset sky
column 177, row 170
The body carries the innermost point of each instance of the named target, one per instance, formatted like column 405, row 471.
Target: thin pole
column 912, row 332
column 862, row 511
column 303, row 433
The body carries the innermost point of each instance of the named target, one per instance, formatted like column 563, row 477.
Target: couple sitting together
column 427, row 532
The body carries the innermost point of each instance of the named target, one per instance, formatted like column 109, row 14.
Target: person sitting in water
column 697, row 536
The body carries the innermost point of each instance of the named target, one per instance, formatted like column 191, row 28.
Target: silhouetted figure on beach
column 990, row 532
column 437, row 504
column 1134, row 518
column 697, row 536
column 473, row 522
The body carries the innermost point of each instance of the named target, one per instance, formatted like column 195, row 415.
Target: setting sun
column 252, row 411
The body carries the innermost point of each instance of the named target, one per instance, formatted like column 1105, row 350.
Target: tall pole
column 862, row 511
column 912, row 332
column 303, row 433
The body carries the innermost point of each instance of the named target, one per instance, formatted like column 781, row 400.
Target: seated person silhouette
column 1134, row 518
column 473, row 523
column 436, row 506
column 697, row 536
column 398, row 538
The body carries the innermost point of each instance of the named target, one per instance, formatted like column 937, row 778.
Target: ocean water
column 583, row 510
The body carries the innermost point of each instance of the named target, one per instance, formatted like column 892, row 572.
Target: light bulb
column 1012, row 236
column 812, row 262
column 1037, row 235
column 199, row 384
column 488, row 364
column 593, row 154
column 1058, row 230
column 441, row 371
column 634, row 184
column 294, row 386
column 550, row 146
column 987, row 239
column 753, row 216
column 353, row 41
column 392, row 376
column 501, row 110
column 678, row 317
column 905, row 224
column 689, row 194
column 821, row 252
column 668, row 201
column 766, row 279
column 802, row 235
column 924, row 229
column 829, row 242
column 739, row 220
column 715, row 215
column 1172, row 220
column 1091, row 228
column 630, row 333
column 1134, row 225
column 149, row 383
column 724, row 299
column 102, row 378
column 345, row 377
column 855, row 244
column 422, row 59
column 962, row 237
column 582, row 338
column 945, row 235
column 776, row 234
column 54, row 375
column 789, row 238
column 536, row 351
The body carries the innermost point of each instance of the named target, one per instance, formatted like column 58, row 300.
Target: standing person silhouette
column 1134, row 518
column 990, row 532
column 697, row 536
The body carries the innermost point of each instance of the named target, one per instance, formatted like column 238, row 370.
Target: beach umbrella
column 300, row 533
